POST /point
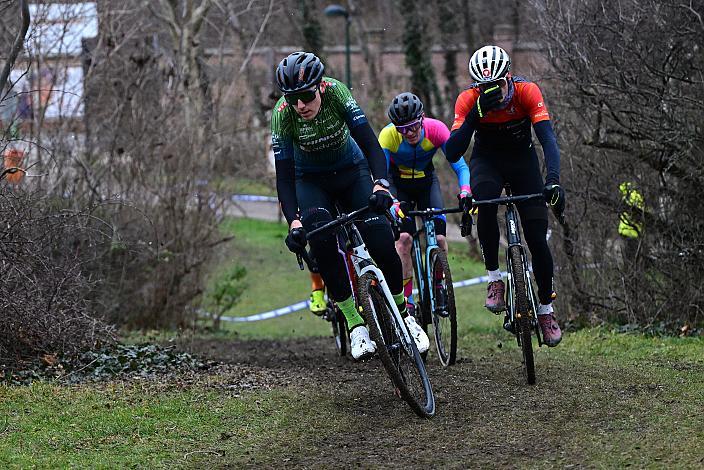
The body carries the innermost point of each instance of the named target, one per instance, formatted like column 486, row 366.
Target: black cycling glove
column 466, row 202
column 296, row 240
column 555, row 197
column 380, row 201
column 488, row 100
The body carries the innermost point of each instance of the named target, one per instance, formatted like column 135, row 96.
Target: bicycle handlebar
column 434, row 212
column 509, row 199
column 339, row 221
column 301, row 257
column 523, row 197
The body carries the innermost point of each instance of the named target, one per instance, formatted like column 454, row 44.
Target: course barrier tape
column 279, row 312
column 253, row 198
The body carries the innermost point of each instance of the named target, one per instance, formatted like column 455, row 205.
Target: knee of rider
column 404, row 243
column 315, row 217
column 535, row 232
column 322, row 245
column 440, row 226
column 442, row 242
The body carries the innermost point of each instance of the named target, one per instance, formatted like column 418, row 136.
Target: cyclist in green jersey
column 325, row 154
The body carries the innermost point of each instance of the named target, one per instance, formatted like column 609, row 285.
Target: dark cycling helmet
column 406, row 107
column 298, row 71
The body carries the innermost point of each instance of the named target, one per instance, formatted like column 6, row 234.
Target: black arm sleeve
column 459, row 140
column 367, row 141
column 286, row 188
column 546, row 136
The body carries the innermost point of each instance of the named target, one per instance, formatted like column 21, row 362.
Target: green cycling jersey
column 323, row 143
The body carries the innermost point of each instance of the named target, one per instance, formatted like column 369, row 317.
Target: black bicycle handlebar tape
column 509, row 199
column 340, row 220
column 466, row 224
column 364, row 135
column 433, row 212
column 303, row 256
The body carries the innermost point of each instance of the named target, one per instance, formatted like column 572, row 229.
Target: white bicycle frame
column 363, row 264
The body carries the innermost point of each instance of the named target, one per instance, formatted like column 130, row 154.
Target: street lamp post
column 338, row 10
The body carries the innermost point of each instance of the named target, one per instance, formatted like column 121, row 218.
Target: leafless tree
column 630, row 107
column 17, row 42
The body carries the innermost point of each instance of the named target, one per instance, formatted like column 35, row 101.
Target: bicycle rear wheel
column 444, row 312
column 524, row 316
column 339, row 328
column 401, row 358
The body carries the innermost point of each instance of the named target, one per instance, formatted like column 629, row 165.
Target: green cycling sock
column 400, row 300
column 350, row 312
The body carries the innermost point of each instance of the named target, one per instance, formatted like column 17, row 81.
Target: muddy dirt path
column 486, row 415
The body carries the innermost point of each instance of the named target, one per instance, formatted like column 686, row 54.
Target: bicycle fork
column 363, row 264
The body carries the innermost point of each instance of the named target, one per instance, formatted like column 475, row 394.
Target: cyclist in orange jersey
column 499, row 110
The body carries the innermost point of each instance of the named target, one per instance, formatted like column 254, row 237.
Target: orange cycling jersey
column 527, row 103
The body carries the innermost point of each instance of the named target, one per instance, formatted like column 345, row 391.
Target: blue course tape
column 253, row 198
column 279, row 312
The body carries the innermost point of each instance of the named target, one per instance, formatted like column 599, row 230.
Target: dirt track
column 486, row 415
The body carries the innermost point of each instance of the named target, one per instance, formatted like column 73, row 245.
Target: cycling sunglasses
column 306, row 96
column 410, row 127
column 501, row 82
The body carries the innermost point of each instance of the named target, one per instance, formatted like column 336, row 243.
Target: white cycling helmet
column 488, row 64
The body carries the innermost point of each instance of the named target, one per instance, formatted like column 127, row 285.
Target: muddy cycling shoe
column 495, row 292
column 417, row 333
column 362, row 346
column 552, row 335
column 317, row 303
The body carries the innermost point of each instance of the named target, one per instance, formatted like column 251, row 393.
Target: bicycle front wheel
column 443, row 308
column 524, row 317
column 401, row 358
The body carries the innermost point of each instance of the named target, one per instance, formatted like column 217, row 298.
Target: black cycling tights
column 379, row 241
column 350, row 190
column 534, row 232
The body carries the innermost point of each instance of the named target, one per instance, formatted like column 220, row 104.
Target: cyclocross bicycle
column 521, row 302
column 436, row 296
column 395, row 346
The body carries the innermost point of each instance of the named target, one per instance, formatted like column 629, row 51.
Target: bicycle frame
column 422, row 266
column 357, row 255
column 363, row 263
column 513, row 236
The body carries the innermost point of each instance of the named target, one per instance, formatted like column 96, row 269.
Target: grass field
column 603, row 399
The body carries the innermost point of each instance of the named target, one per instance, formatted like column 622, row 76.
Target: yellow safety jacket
column 627, row 226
